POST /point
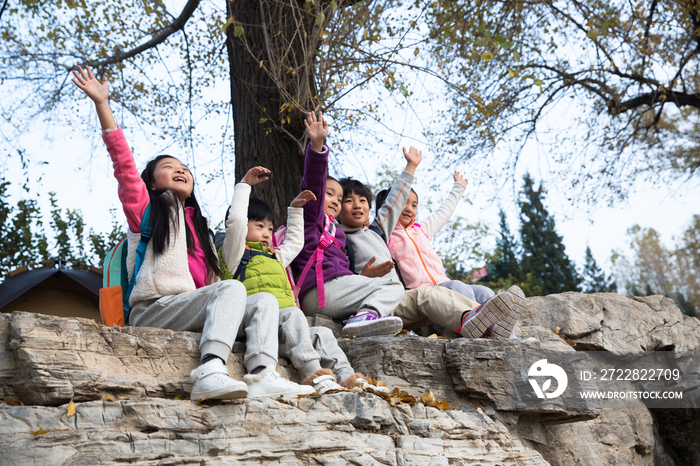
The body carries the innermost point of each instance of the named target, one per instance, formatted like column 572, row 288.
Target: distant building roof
column 20, row 281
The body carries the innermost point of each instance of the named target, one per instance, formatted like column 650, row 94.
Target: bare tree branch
column 157, row 39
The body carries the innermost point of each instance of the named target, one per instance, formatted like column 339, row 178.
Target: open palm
column 88, row 83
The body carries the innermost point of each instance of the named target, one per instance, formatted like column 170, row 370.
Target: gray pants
column 478, row 293
column 218, row 310
column 332, row 357
column 350, row 294
column 310, row 349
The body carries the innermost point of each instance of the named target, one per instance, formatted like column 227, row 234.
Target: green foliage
column 22, row 240
column 544, row 253
column 25, row 242
column 505, row 263
column 594, row 278
column 656, row 269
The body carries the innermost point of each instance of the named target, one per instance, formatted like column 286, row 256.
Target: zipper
column 420, row 256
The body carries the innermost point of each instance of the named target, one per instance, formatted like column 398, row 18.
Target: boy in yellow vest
column 246, row 253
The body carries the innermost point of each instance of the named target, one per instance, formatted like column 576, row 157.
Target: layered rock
column 47, row 361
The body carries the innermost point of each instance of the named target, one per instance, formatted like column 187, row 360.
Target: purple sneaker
column 370, row 324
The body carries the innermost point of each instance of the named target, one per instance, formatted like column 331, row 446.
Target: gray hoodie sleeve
column 390, row 211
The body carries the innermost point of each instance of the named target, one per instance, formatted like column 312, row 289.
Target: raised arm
column 237, row 222
column 98, row 93
column 436, row 221
column 389, row 212
column 131, row 190
column 315, row 167
column 294, row 242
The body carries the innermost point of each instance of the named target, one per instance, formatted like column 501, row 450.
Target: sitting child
column 411, row 249
column 246, row 254
column 331, row 288
column 424, row 304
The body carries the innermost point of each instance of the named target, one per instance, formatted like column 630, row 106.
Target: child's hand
column 413, row 159
column 303, row 198
column 458, row 179
column 317, row 128
column 380, row 270
column 89, row 84
column 253, row 176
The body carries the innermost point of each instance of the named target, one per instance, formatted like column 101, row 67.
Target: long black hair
column 161, row 220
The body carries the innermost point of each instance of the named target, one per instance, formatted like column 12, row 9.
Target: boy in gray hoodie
column 423, row 305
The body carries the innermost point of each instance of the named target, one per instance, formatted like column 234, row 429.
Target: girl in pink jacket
column 415, row 257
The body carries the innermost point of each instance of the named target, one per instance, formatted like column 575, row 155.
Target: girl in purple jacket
column 322, row 270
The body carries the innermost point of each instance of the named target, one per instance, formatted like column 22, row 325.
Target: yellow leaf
column 556, row 330
column 39, row 432
column 106, row 398
column 70, row 409
column 12, row 402
column 261, row 63
column 479, row 410
column 432, row 336
column 177, row 398
column 428, row 397
column 443, row 405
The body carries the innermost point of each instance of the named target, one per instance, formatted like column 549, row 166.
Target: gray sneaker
column 498, row 308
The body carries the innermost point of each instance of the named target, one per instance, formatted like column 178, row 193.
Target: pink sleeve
column 132, row 191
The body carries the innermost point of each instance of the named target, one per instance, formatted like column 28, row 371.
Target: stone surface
column 498, row 371
column 343, row 428
column 612, row 322
column 49, row 360
column 7, row 365
column 58, row 359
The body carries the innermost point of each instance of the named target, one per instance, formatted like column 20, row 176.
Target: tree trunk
column 255, row 96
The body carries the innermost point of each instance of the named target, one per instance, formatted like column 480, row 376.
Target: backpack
column 116, row 286
column 239, row 274
column 325, row 241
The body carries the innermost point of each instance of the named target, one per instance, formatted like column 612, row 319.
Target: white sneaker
column 211, row 381
column 270, row 383
column 362, row 383
column 326, row 383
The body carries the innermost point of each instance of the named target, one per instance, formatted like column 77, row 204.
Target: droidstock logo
column 542, row 369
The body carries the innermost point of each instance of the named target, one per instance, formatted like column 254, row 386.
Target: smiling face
column 260, row 231
column 408, row 214
column 170, row 173
column 334, row 197
column 355, row 210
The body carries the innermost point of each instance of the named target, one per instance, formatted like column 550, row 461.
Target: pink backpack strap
column 420, row 227
column 327, row 238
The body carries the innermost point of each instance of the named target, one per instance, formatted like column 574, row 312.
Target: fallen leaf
column 12, row 402
column 432, row 336
column 60, row 430
column 106, row 398
column 39, row 432
column 428, row 397
column 70, row 409
column 556, row 330
column 479, row 410
column 177, row 398
column 401, row 332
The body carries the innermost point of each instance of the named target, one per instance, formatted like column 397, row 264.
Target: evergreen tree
column 505, row 261
column 544, row 254
column 594, row 277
